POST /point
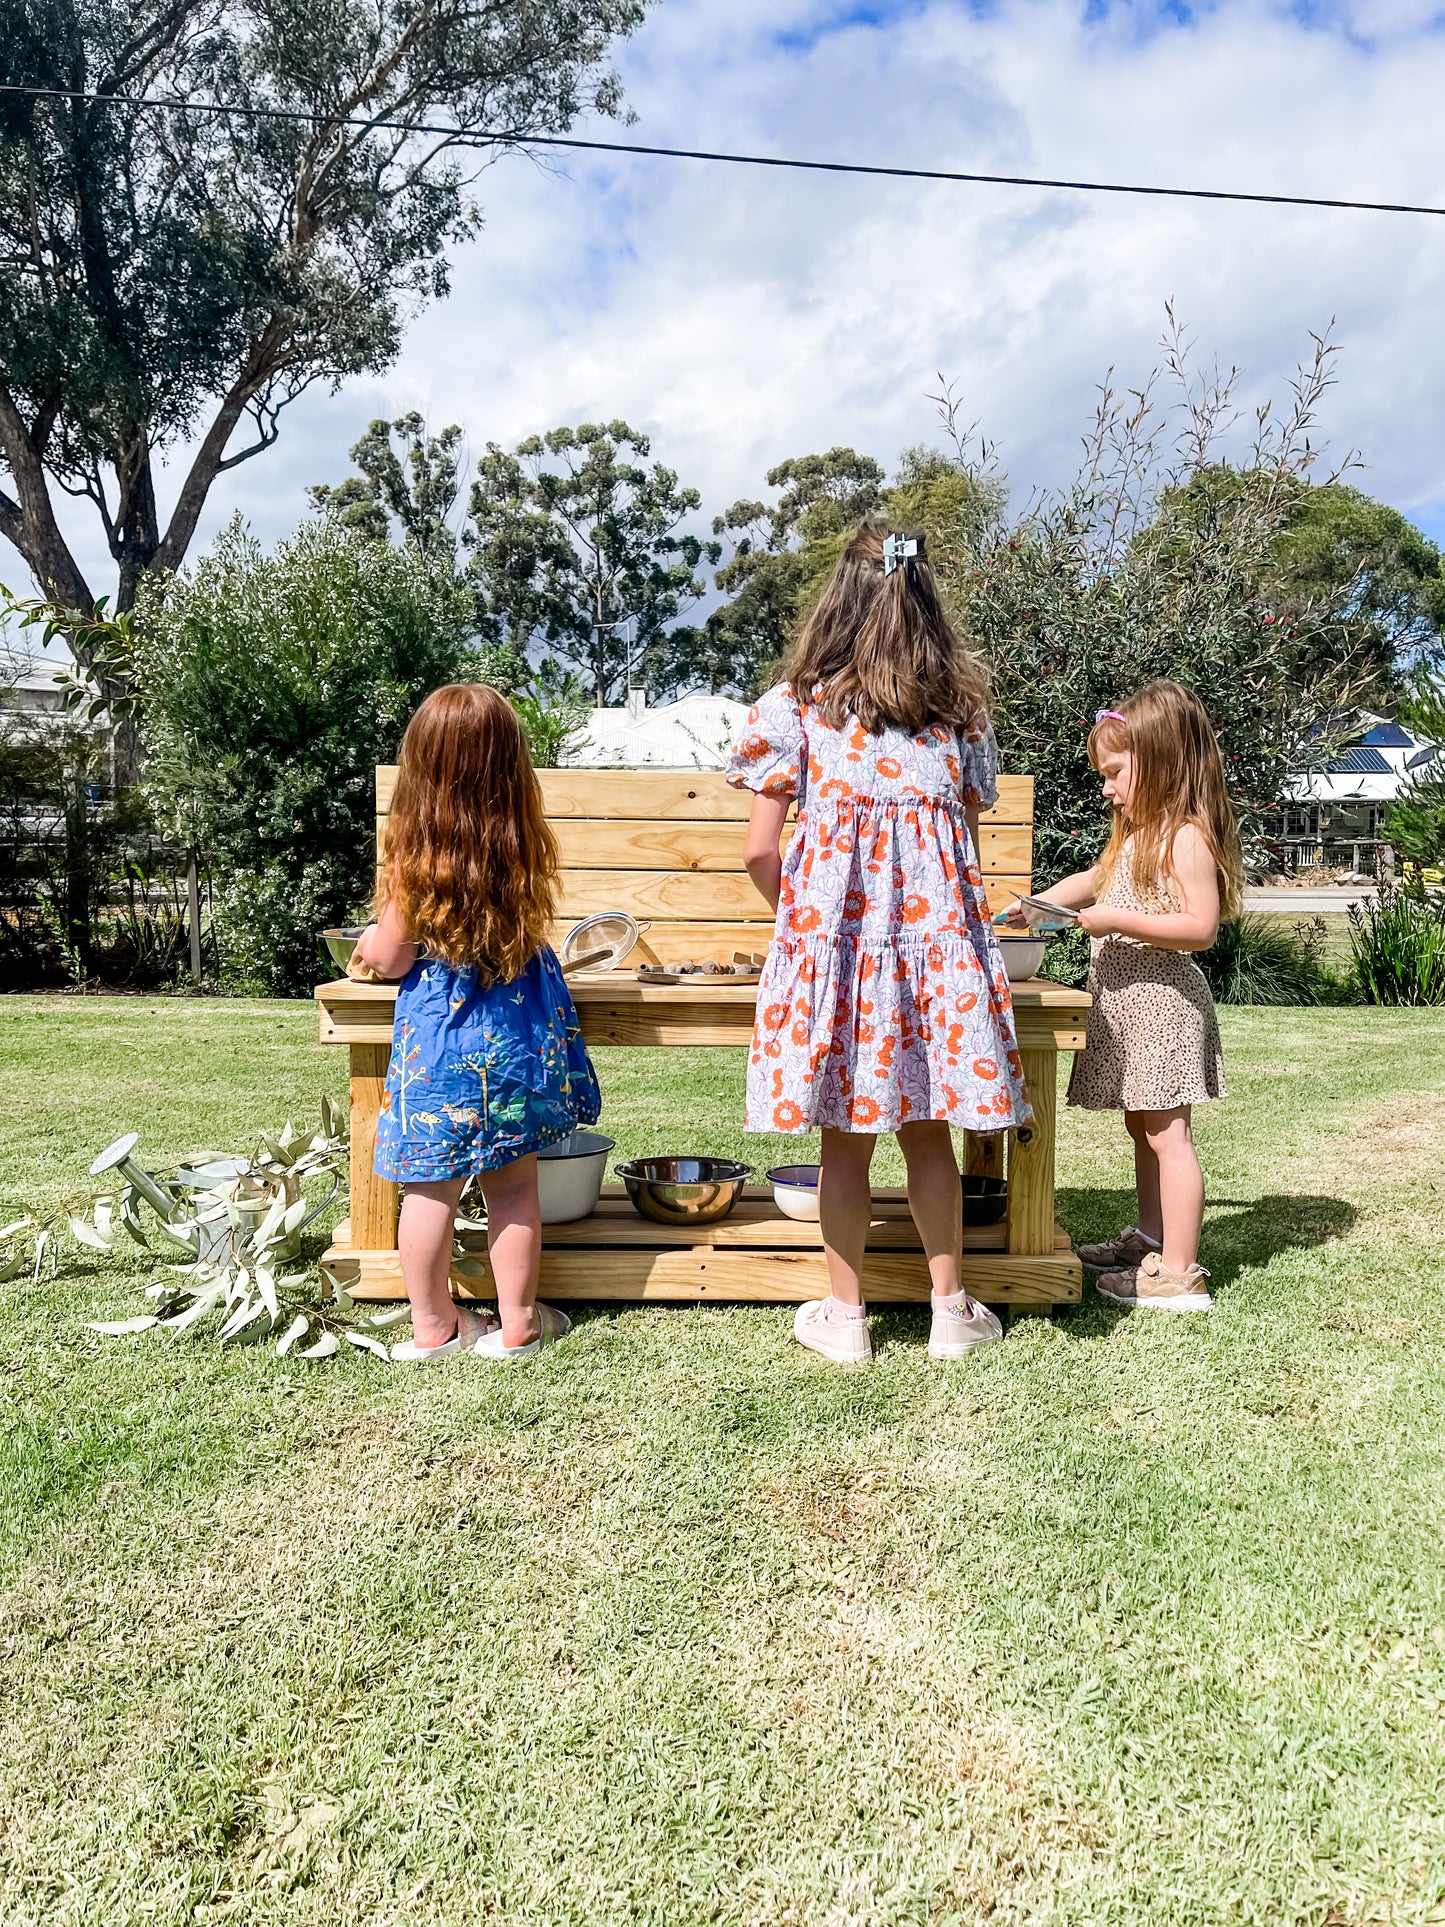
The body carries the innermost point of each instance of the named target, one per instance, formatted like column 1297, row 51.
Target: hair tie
column 896, row 549
column 1111, row 716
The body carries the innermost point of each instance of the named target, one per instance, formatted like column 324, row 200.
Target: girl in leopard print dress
column 1169, row 873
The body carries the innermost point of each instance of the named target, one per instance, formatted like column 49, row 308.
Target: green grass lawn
column 1129, row 1619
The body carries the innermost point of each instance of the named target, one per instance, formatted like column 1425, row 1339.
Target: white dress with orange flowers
column 884, row 999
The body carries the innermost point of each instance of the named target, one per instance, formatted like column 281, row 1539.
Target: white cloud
column 743, row 315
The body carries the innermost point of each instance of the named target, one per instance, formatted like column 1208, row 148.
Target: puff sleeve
column 771, row 754
column 978, row 763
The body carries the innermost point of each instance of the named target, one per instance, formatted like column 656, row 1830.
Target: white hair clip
column 896, row 549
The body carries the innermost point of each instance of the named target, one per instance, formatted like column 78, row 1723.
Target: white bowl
column 1022, row 956
column 570, row 1174
column 795, row 1191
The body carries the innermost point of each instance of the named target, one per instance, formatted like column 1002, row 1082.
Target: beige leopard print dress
column 1153, row 1039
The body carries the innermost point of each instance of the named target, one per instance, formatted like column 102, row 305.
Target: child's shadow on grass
column 1240, row 1234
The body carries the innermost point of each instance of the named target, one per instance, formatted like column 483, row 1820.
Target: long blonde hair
column 471, row 863
column 881, row 647
column 1178, row 779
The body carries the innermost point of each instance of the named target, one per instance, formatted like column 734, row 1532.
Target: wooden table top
column 616, row 987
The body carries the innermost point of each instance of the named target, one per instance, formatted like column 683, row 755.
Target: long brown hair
column 881, row 646
column 470, row 863
column 1178, row 779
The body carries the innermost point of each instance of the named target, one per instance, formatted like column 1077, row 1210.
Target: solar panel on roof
column 1386, row 736
column 1425, row 756
column 1359, row 762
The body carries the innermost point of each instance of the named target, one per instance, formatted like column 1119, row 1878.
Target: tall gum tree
column 170, row 279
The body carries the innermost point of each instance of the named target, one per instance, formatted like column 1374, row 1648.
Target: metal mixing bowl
column 341, row 942
column 684, row 1190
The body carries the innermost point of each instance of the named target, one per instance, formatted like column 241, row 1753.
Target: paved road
column 1310, row 903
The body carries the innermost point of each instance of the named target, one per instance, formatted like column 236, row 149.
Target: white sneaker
column 471, row 1325
column 827, row 1327
column 960, row 1325
column 555, row 1324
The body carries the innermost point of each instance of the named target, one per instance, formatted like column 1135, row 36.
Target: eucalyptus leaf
column 249, row 1310
column 15, row 1224
column 367, row 1344
column 118, row 1327
column 86, row 1234
column 298, row 1328
column 266, row 1284
column 205, row 1302
column 326, row 1346
column 12, row 1267
column 392, row 1317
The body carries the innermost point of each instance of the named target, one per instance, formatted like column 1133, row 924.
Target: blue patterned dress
column 481, row 1073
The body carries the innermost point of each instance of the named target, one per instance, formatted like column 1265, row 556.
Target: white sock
column 849, row 1311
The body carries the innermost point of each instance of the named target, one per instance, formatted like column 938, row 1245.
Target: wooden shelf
column 753, row 1254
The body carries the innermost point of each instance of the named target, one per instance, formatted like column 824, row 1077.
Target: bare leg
column 844, row 1208
column 514, row 1243
column 1146, row 1175
column 1181, row 1184
column 935, row 1199
column 424, row 1242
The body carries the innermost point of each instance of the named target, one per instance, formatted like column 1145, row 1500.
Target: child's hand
column 1096, row 921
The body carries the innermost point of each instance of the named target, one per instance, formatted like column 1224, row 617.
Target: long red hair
column 1178, row 779
column 470, row 864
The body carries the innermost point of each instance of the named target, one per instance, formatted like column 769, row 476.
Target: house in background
column 1335, row 818
column 695, row 733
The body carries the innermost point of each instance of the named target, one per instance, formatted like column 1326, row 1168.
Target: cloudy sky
column 740, row 316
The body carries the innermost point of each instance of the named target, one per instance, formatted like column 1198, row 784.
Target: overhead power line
column 463, row 137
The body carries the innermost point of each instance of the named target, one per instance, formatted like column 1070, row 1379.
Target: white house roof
column 695, row 733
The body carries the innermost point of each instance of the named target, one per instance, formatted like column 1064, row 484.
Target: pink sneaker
column 960, row 1325
column 825, row 1326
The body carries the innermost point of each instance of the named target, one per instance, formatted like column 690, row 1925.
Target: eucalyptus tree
column 172, row 277
column 580, row 546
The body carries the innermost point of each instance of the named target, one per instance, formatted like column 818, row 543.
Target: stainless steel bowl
column 341, row 942
column 684, row 1190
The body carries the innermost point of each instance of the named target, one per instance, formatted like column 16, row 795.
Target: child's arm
column 1070, row 893
column 1194, row 881
column 385, row 947
column 762, row 847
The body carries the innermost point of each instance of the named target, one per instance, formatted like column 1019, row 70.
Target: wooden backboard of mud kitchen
column 666, row 845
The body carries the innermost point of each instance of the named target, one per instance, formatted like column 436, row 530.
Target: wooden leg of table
column 1031, row 1164
column 373, row 1199
column 983, row 1154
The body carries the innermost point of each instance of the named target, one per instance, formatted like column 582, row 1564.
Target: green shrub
column 1257, row 960
column 1066, row 961
column 272, row 686
column 1399, row 946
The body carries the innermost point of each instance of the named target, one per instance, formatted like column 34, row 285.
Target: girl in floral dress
column 487, row 1061
column 884, row 1004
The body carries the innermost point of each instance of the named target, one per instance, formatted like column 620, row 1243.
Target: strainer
column 613, row 931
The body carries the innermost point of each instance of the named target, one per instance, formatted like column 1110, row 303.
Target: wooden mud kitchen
column 666, row 846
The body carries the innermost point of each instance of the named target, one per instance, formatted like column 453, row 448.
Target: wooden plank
column 1031, row 1164
column 1003, row 850
column 892, row 1229
column 675, row 895
column 702, row 897
column 374, row 1201
column 983, row 1154
column 674, row 1277
column 692, row 795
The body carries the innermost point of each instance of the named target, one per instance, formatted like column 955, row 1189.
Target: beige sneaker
column 1131, row 1247
column 834, row 1330
column 1154, row 1286
column 960, row 1325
